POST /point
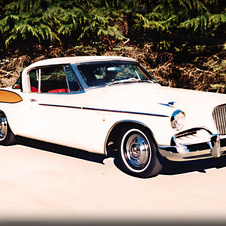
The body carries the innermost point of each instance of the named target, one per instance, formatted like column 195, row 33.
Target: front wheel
column 6, row 135
column 138, row 152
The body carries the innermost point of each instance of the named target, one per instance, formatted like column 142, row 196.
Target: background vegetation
column 181, row 42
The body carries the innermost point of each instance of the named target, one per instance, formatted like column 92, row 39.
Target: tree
column 54, row 22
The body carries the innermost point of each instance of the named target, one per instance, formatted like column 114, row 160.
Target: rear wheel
column 138, row 152
column 6, row 135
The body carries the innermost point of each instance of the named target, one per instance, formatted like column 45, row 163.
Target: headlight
column 178, row 119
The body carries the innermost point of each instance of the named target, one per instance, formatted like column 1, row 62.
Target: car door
column 52, row 115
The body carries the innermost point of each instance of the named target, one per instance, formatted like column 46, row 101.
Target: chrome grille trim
column 219, row 116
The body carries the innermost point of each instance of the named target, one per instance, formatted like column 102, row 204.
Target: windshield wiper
column 124, row 81
column 149, row 81
column 130, row 80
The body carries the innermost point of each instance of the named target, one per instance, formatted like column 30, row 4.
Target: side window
column 71, row 80
column 34, row 76
column 17, row 84
column 53, row 80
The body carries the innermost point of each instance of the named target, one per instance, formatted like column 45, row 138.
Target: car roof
column 78, row 60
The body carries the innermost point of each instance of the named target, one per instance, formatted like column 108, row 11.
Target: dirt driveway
column 43, row 182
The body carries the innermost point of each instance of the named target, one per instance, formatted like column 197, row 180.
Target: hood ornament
column 169, row 104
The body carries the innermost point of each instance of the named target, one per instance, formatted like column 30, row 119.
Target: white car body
column 86, row 118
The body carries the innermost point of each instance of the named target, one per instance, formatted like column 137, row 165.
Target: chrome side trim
column 105, row 110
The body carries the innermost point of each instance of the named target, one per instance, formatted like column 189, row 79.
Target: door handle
column 33, row 100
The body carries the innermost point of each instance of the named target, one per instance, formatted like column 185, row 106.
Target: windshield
column 108, row 73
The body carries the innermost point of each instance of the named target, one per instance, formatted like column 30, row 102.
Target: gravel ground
column 44, row 183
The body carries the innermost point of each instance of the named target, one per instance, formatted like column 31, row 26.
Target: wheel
column 6, row 135
column 138, row 152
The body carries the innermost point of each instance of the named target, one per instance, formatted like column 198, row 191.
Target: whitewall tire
column 138, row 152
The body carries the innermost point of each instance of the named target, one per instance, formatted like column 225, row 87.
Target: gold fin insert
column 9, row 97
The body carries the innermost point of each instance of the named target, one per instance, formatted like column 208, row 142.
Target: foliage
column 187, row 31
column 54, row 22
column 49, row 22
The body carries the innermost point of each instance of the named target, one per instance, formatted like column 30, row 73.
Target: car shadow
column 169, row 167
column 62, row 150
column 173, row 168
column 176, row 168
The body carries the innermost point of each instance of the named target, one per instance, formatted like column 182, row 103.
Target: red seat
column 58, row 91
column 34, row 89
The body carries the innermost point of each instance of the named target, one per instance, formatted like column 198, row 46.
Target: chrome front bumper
column 215, row 146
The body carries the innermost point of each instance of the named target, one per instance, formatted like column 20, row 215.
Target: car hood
column 156, row 100
column 153, row 97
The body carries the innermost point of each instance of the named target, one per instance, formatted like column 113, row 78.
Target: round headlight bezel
column 178, row 120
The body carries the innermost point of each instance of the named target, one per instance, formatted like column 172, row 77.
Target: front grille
column 219, row 116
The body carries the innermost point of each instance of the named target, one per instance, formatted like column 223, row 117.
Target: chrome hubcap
column 3, row 127
column 137, row 150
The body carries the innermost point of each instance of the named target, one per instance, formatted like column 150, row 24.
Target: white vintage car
column 112, row 104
